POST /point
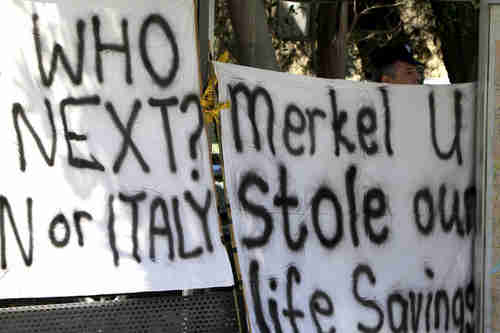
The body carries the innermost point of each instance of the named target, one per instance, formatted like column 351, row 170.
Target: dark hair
column 384, row 58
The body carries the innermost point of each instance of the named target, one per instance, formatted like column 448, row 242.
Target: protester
column 396, row 64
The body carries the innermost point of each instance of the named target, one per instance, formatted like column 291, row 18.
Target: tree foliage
column 342, row 35
column 456, row 25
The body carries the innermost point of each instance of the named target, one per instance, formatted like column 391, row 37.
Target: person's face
column 404, row 73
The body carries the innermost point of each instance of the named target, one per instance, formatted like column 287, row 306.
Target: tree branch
column 372, row 33
column 366, row 10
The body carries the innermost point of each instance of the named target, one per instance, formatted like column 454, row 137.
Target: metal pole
column 252, row 32
column 211, row 28
column 485, row 125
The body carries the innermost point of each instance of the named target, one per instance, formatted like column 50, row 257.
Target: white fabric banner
column 106, row 180
column 353, row 203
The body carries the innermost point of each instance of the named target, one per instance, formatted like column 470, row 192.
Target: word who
column 162, row 80
column 74, row 71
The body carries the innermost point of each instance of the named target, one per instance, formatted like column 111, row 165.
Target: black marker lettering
column 455, row 147
column 315, row 309
column 273, row 284
column 58, row 52
column 127, row 136
column 458, row 309
column 429, row 273
column 350, row 178
column 388, row 122
column 257, row 301
column 60, row 219
column 311, row 114
column 111, row 231
column 441, row 298
column 273, row 308
column 195, row 136
column 428, row 313
column 159, row 203
column 163, row 104
column 251, row 99
column 5, row 207
column 324, row 193
column 393, row 299
column 358, row 271
column 134, row 200
column 470, row 209
column 425, row 196
column 375, row 207
column 18, row 111
column 72, row 136
column 77, row 218
column 293, row 111
column 416, row 309
column 291, row 312
column 106, row 48
column 249, row 180
column 470, row 296
column 339, row 121
column 193, row 139
column 202, row 213
column 454, row 218
column 367, row 126
column 166, row 80
column 197, row 251
column 285, row 201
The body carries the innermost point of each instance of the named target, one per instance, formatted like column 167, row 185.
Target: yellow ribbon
column 211, row 107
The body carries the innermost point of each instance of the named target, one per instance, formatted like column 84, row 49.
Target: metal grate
column 208, row 312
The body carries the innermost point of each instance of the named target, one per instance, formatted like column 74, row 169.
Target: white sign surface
column 106, row 181
column 353, row 202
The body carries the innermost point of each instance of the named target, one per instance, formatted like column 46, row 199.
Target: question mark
column 195, row 136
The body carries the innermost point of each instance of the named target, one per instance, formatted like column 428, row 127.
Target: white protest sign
column 353, row 203
column 106, row 180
